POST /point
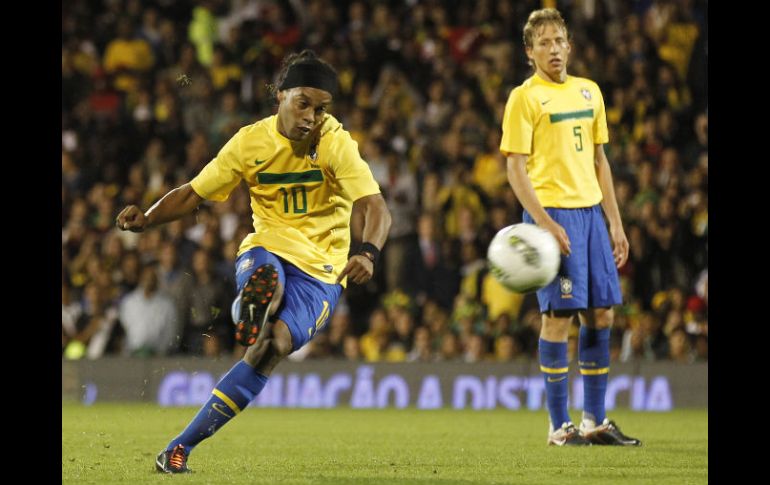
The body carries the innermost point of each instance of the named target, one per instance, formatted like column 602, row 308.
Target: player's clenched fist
column 131, row 219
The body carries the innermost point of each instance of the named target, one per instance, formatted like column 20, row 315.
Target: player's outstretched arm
column 610, row 206
column 177, row 203
column 360, row 267
column 522, row 187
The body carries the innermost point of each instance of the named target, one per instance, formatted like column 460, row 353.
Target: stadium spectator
column 505, row 349
column 449, row 347
column 149, row 318
column 475, row 349
column 205, row 322
column 339, row 329
column 421, row 349
column 400, row 191
column 374, row 342
column 351, row 348
column 680, row 348
column 127, row 57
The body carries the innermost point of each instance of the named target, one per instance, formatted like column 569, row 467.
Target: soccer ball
column 524, row 257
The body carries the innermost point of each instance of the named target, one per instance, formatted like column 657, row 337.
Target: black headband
column 311, row 75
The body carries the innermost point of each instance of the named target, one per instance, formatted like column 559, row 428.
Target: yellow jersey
column 557, row 125
column 301, row 201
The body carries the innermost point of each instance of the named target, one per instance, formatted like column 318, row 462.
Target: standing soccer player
column 554, row 129
column 305, row 175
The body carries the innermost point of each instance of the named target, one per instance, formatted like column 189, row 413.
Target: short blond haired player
column 304, row 175
column 554, row 128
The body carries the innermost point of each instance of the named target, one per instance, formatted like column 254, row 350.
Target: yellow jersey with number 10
column 557, row 125
column 301, row 201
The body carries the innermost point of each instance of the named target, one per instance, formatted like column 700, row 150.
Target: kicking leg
column 260, row 297
column 230, row 396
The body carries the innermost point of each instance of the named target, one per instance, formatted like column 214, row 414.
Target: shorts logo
column 328, row 268
column 565, row 284
column 586, row 94
column 321, row 320
column 244, row 265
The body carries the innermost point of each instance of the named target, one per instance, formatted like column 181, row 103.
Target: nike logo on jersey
column 556, row 379
column 544, row 102
column 259, row 162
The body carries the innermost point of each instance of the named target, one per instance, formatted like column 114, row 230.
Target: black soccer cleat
column 255, row 302
column 172, row 461
column 607, row 433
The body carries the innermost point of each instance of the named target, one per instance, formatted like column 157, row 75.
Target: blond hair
column 539, row 18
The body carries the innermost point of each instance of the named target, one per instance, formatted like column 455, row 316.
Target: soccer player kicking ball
column 553, row 131
column 305, row 175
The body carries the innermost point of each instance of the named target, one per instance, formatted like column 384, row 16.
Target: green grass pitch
column 117, row 443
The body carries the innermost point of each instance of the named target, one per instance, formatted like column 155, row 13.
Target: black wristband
column 370, row 251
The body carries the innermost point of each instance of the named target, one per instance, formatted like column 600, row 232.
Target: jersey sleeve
column 222, row 174
column 600, row 132
column 518, row 124
column 350, row 170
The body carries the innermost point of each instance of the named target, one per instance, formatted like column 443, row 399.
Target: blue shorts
column 307, row 302
column 588, row 277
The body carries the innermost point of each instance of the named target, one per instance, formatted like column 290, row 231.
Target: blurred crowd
column 423, row 86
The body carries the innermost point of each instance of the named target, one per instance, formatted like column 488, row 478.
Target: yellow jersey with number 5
column 557, row 125
column 301, row 198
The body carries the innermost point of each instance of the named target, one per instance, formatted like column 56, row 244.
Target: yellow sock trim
column 551, row 370
column 594, row 372
column 227, row 400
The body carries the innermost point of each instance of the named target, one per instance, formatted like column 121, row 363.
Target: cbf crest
column 565, row 284
column 313, row 156
column 586, row 93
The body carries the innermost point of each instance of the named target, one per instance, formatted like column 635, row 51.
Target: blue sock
column 594, row 361
column 229, row 397
column 555, row 367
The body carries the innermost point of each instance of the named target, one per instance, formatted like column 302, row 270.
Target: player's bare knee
column 603, row 317
column 276, row 349
column 556, row 326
